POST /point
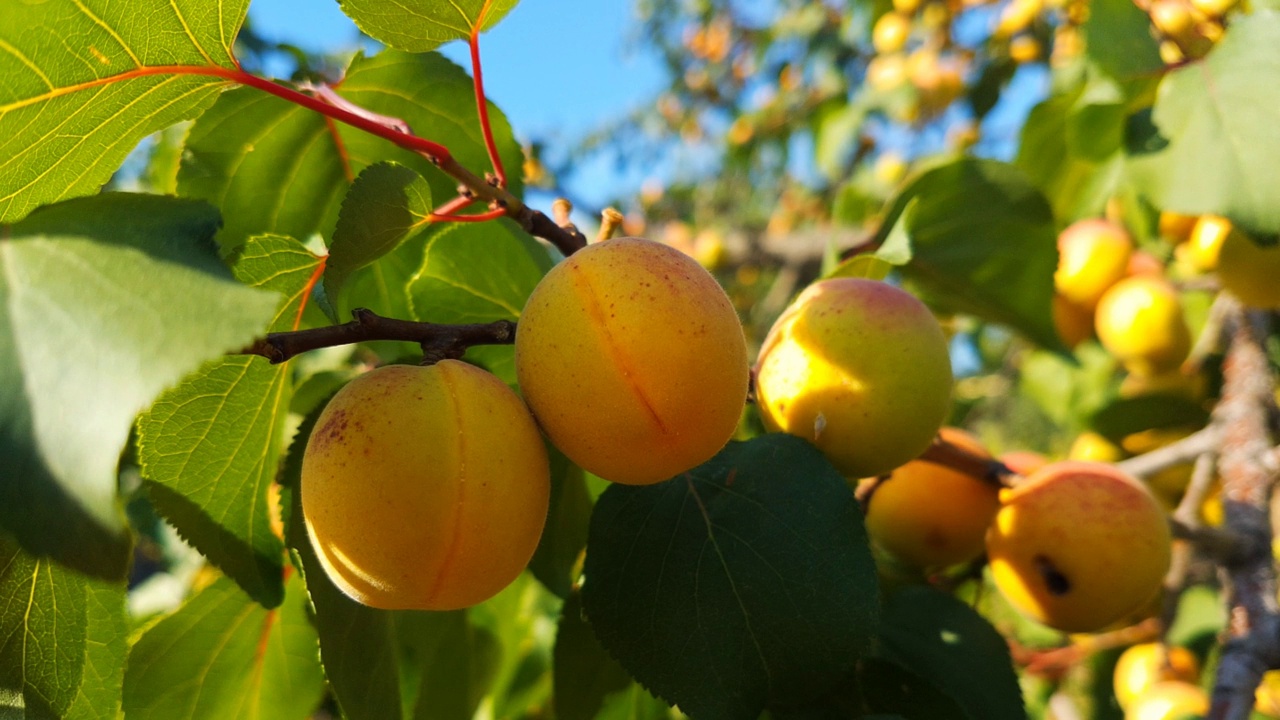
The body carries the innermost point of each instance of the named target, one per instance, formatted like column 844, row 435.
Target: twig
column 1177, row 453
column 1188, row 514
column 610, row 219
column 1253, row 628
column 953, row 456
column 438, row 342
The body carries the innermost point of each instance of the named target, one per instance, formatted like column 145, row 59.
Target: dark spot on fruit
column 1054, row 580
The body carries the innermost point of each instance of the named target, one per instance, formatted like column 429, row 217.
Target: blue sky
column 557, row 68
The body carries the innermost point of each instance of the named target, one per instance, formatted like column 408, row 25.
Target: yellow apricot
column 930, row 515
column 1205, row 241
column 1169, row 700
column 1093, row 447
column 860, row 368
column 1249, row 271
column 633, row 361
column 425, row 488
column 890, row 33
column 1093, row 255
column 1024, row 49
column 1266, row 699
column 1140, row 321
column 1143, row 665
column 1078, row 546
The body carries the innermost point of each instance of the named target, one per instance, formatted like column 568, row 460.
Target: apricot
column 1145, row 664
column 890, row 33
column 1266, row 699
column 1093, row 255
column 1175, row 227
column 425, row 488
column 1073, row 322
column 1093, row 447
column 859, row 368
column 633, row 361
column 930, row 515
column 1169, row 700
column 1250, row 271
column 1078, row 546
column 1141, row 322
column 1205, row 242
column 1024, row 462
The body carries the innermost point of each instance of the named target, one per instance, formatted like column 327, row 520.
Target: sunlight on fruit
column 1146, row 664
column 1250, row 271
column 1140, row 320
column 816, row 379
column 425, row 488
column 1079, row 546
column 1093, row 255
column 1169, row 700
column 633, row 361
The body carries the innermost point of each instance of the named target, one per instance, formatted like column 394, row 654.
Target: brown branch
column 957, row 458
column 1187, row 514
column 1176, row 453
column 1253, row 629
column 438, row 341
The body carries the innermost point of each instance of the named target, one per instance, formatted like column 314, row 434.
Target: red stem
column 491, row 215
column 482, row 107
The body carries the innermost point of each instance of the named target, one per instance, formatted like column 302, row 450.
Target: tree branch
column 438, row 341
column 1253, row 629
column 1177, row 453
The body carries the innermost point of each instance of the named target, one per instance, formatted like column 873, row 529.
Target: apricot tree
column 296, row 385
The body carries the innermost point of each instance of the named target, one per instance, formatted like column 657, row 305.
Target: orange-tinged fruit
column 1176, row 227
column 633, row 361
column 1073, row 322
column 1145, row 664
column 861, row 369
column 425, row 488
column 1141, row 322
column 1024, row 462
column 1024, row 49
column 930, row 515
column 1169, row 700
column 1093, row 255
column 1266, row 698
column 1249, row 271
column 1078, row 546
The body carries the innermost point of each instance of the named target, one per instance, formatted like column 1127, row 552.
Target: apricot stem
column 438, row 341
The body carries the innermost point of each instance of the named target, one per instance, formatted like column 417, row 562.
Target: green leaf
column 358, row 645
column 1118, row 39
column 476, row 273
column 584, row 673
column 565, row 534
column 104, row 302
column 1075, row 186
column 85, row 82
column 424, row 25
column 1219, row 118
column 743, row 584
column 981, row 241
column 1069, row 390
column 386, row 203
column 949, row 645
column 62, row 639
column 273, row 166
column 863, row 266
column 1124, row 416
column 887, row 689
column 446, row 661
column 221, row 655
column 211, row 445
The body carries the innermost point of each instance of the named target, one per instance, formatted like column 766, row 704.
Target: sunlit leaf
column 424, row 25
column 86, row 80
column 211, row 445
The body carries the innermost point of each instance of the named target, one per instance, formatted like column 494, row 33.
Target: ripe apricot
column 890, row 33
column 930, row 515
column 425, row 488
column 633, row 361
column 1073, row 322
column 1249, row 271
column 1078, row 546
column 1093, row 255
column 859, row 368
column 1141, row 322
column 1169, row 700
column 1146, row 664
